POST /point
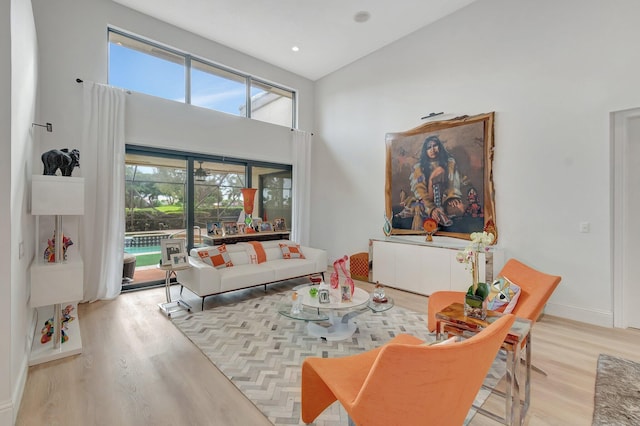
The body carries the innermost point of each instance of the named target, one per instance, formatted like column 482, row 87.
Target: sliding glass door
column 172, row 194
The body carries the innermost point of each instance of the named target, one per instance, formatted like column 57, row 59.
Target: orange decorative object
column 404, row 381
column 248, row 195
column 430, row 227
column 359, row 265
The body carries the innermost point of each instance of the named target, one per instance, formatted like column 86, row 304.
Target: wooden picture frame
column 170, row 247
column 457, row 188
column 279, row 224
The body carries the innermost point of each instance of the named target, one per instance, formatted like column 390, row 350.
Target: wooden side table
column 170, row 306
column 452, row 321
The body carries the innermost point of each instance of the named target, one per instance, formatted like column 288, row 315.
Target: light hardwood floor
column 137, row 369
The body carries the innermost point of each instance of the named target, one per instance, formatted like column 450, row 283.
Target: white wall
column 19, row 77
column 552, row 71
column 73, row 44
column 5, row 214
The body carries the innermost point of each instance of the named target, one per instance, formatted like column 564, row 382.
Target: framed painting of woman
column 441, row 170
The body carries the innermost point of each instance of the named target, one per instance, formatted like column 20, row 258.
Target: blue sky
column 140, row 72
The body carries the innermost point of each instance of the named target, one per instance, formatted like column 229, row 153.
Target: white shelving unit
column 57, row 285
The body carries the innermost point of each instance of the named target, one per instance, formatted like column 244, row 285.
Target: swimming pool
column 142, row 250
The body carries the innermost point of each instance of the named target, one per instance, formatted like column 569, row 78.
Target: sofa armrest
column 201, row 279
column 318, row 256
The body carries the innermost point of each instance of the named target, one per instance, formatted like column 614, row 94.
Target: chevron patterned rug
column 261, row 351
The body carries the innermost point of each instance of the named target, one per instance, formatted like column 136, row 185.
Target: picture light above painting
column 442, row 171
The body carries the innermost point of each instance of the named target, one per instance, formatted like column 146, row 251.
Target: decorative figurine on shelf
column 50, row 251
column 48, row 329
column 62, row 159
column 386, row 228
column 378, row 294
column 248, row 195
column 430, row 226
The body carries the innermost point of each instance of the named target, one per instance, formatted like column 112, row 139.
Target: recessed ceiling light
column 295, row 48
column 362, row 16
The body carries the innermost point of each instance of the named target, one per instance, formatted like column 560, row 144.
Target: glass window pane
column 154, row 210
column 271, row 104
column 275, row 194
column 145, row 68
column 217, row 193
column 217, row 89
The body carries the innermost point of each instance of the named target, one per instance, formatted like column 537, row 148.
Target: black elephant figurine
column 62, row 159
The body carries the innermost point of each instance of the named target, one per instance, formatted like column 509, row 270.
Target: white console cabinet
column 410, row 263
column 56, row 285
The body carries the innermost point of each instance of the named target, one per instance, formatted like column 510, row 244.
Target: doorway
column 626, row 226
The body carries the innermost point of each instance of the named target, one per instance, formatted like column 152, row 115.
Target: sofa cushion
column 291, row 251
column 246, row 276
column 239, row 255
column 272, row 249
column 218, row 257
column 285, row 268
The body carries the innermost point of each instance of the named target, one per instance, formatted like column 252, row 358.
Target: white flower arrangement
column 480, row 242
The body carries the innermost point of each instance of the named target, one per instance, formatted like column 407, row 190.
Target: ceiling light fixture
column 362, row 16
column 295, row 48
column 200, row 174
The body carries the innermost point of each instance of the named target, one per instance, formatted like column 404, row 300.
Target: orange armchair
column 404, row 381
column 536, row 288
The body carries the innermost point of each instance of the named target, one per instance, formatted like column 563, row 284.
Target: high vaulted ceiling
column 325, row 31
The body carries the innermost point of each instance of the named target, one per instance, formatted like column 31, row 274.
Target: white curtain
column 301, row 210
column 102, row 166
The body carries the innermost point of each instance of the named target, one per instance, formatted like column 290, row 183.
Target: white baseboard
column 589, row 316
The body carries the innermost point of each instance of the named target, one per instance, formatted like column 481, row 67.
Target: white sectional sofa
column 205, row 280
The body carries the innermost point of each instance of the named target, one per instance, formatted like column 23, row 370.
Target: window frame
column 249, row 80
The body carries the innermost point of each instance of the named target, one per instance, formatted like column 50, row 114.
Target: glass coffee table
column 334, row 320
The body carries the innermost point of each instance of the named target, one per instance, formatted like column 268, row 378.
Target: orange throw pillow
column 291, row 252
column 218, row 257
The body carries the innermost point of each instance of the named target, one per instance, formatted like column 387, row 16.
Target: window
column 150, row 68
column 217, row 89
column 142, row 67
column 163, row 201
column 271, row 104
